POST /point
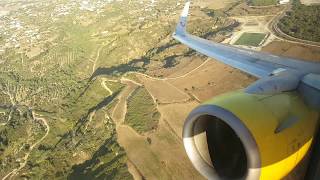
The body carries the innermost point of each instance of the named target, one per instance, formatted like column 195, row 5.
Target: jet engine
column 246, row 136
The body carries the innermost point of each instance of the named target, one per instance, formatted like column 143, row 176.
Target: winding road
column 170, row 78
column 97, row 57
column 8, row 119
column 105, row 86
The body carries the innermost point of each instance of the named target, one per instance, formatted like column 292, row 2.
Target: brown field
column 243, row 9
column 293, row 50
column 310, row 2
column 164, row 158
column 184, row 66
column 212, row 79
column 213, row 4
column 163, row 91
column 175, row 114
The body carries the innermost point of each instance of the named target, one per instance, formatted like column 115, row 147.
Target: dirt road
column 43, row 121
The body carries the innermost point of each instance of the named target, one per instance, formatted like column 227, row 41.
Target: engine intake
column 219, row 145
column 245, row 136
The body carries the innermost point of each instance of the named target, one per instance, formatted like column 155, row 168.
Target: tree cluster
column 302, row 22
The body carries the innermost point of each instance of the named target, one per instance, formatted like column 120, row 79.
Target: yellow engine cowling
column 245, row 136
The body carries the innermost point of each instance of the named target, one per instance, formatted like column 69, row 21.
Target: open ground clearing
column 164, row 158
column 243, row 9
column 310, row 2
column 294, row 50
column 163, row 91
column 214, row 4
column 263, row 2
column 212, row 79
column 185, row 65
column 175, row 114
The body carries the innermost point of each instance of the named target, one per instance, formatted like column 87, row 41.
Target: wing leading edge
column 258, row 64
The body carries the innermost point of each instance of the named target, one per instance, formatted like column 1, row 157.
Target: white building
column 284, row 1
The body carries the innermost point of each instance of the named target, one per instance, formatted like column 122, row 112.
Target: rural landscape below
column 99, row 89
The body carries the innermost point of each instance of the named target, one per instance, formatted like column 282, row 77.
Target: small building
column 284, row 1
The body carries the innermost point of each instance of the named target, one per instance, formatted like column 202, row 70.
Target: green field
column 133, row 77
column 250, row 39
column 142, row 114
column 262, row 2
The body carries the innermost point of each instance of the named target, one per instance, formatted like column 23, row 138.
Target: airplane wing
column 258, row 64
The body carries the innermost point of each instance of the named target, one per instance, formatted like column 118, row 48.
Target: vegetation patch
column 302, row 22
column 132, row 77
column 244, row 9
column 262, row 2
column 170, row 62
column 250, row 39
column 15, row 145
column 114, row 85
column 103, row 164
column 142, row 114
column 78, row 105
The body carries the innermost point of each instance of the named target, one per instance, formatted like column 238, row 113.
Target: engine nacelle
column 246, row 136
